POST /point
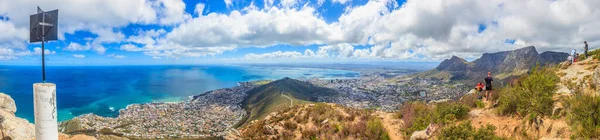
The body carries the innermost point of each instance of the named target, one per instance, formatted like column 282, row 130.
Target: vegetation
column 417, row 115
column 464, row 131
column 276, row 95
column 532, row 96
column 318, row 121
column 584, row 116
column 446, row 113
column 593, row 53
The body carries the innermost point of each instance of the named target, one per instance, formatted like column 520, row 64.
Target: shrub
column 290, row 125
column 448, row 112
column 375, row 129
column 532, row 95
column 583, row 116
column 416, row 116
column 470, row 100
column 465, row 131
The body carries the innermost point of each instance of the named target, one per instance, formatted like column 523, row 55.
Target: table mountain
column 503, row 65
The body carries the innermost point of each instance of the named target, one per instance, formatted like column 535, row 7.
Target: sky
column 146, row 32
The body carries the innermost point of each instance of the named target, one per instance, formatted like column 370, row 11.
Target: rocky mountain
column 503, row 65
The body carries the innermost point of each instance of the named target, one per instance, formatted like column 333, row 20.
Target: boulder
column 424, row 134
column 596, row 78
column 7, row 103
column 13, row 127
column 565, row 65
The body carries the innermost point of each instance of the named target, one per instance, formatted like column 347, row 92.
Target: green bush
column 375, row 129
column 470, row 100
column 583, row 116
column 449, row 112
column 416, row 116
column 531, row 96
column 464, row 131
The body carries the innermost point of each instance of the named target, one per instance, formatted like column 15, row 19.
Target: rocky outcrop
column 11, row 126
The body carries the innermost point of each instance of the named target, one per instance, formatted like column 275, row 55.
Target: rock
column 419, row 135
column 565, row 65
column 439, row 101
column 424, row 134
column 596, row 77
column 558, row 108
column 7, row 103
column 11, row 126
column 325, row 121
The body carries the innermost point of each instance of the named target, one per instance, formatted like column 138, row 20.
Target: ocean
column 103, row 90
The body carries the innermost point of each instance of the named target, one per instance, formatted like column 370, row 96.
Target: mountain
column 280, row 94
column 503, row 65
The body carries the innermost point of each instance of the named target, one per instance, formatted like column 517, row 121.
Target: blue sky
column 146, row 32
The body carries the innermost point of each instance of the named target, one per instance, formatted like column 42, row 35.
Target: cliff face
column 11, row 126
column 503, row 65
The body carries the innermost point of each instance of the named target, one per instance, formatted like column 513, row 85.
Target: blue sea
column 103, row 90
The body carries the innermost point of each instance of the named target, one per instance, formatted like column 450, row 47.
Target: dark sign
column 43, row 25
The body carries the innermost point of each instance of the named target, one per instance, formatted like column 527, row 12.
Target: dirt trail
column 513, row 127
column 392, row 125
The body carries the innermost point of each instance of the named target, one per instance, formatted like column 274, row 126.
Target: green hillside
column 280, row 94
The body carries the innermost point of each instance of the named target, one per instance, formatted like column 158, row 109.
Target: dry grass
column 318, row 121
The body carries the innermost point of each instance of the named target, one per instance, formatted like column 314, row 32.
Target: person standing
column 573, row 53
column 585, row 49
column 488, row 86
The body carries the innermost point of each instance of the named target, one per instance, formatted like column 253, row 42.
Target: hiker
column 576, row 57
column 585, row 49
column 479, row 87
column 573, row 53
column 488, row 86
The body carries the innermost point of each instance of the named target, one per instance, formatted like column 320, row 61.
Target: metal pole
column 43, row 50
column 43, row 62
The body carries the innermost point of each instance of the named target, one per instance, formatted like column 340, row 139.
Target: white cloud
column 432, row 29
column 255, row 28
column 116, row 56
column 268, row 3
column 38, row 51
column 146, row 37
column 172, row 12
column 288, row 3
column 199, row 8
column 78, row 55
column 96, row 47
column 76, row 47
column 131, row 48
column 228, row 3
column 341, row 1
column 274, row 55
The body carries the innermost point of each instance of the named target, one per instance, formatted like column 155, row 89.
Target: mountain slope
column 503, row 65
column 280, row 94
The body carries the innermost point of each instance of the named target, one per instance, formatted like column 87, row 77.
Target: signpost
column 43, row 27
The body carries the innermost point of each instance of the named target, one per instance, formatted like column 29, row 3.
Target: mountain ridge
column 279, row 94
column 503, row 65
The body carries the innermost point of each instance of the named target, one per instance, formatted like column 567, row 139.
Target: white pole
column 44, row 102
